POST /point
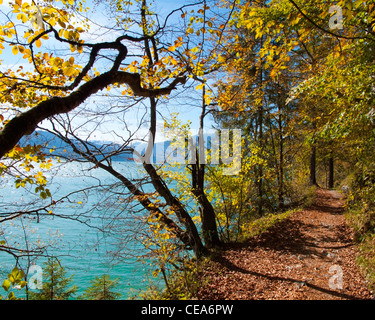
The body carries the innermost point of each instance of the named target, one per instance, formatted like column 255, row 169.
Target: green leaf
column 6, row 284
column 17, row 274
column 11, row 296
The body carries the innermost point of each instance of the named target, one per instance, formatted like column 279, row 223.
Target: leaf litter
column 311, row 255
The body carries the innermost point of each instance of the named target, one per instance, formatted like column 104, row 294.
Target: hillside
column 102, row 148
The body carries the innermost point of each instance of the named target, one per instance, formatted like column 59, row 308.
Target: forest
column 246, row 127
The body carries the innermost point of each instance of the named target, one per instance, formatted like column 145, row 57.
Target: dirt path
column 310, row 255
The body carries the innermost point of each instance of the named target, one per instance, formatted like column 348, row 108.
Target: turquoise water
column 74, row 233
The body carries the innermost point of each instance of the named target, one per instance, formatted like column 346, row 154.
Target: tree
column 102, row 289
column 273, row 63
column 61, row 103
column 55, row 283
column 58, row 85
column 338, row 88
column 57, row 82
column 253, row 95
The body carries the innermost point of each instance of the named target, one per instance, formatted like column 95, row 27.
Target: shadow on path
column 309, row 234
column 232, row 267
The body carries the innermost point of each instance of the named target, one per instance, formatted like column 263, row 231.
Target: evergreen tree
column 102, row 289
column 55, row 284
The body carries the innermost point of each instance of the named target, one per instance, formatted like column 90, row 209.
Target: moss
column 256, row 227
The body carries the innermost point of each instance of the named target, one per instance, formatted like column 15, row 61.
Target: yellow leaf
column 22, row 17
column 66, row 34
column 200, row 86
column 15, row 50
column 62, row 24
column 133, row 69
column 69, row 71
column 38, row 43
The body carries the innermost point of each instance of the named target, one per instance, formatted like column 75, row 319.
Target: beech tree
column 58, row 85
column 144, row 62
column 293, row 75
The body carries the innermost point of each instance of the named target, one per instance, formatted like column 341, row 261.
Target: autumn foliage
column 296, row 77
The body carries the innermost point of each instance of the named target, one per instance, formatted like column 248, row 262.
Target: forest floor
column 308, row 256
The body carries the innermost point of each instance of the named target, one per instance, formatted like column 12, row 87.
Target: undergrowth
column 260, row 225
column 360, row 215
column 183, row 283
column 361, row 219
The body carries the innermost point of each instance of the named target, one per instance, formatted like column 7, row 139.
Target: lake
column 74, row 230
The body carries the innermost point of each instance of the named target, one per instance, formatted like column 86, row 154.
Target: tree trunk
column 160, row 186
column 313, row 166
column 182, row 215
column 331, row 173
column 185, row 236
column 209, row 227
column 281, row 162
column 260, row 143
column 207, row 212
column 260, row 167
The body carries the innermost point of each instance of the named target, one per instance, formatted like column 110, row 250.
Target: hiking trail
column 308, row 256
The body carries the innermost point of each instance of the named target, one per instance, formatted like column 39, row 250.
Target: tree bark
column 160, row 186
column 260, row 143
column 281, row 162
column 178, row 208
column 207, row 211
column 313, row 166
column 260, row 167
column 331, row 181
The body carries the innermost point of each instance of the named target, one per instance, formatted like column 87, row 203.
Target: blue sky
column 187, row 105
